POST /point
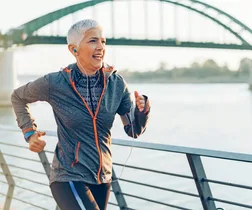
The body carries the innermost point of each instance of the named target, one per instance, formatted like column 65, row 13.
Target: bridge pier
column 250, row 78
column 7, row 76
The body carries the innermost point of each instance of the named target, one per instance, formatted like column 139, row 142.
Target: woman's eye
column 93, row 40
column 104, row 42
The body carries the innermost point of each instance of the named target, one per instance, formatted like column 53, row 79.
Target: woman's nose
column 100, row 46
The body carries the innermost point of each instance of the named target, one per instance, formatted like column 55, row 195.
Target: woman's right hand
column 35, row 143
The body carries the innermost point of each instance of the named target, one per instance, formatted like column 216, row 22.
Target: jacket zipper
column 94, row 117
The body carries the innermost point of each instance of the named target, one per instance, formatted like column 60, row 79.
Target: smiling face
column 91, row 51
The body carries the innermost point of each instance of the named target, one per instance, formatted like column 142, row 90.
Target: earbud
column 74, row 50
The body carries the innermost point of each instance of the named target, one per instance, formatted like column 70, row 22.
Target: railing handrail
column 235, row 156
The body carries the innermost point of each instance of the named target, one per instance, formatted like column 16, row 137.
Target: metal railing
column 194, row 156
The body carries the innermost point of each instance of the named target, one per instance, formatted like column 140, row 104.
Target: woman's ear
column 73, row 49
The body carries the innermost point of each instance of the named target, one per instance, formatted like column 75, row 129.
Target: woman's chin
column 98, row 66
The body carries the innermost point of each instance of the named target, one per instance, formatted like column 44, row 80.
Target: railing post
column 46, row 165
column 203, row 187
column 118, row 192
column 57, row 208
column 10, row 181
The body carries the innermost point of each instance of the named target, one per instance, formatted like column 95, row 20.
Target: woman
column 85, row 96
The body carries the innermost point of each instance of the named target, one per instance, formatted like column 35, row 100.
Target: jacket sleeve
column 134, row 121
column 37, row 90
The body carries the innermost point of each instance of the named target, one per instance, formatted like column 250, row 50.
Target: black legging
column 77, row 195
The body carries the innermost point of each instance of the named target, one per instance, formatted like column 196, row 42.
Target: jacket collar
column 67, row 72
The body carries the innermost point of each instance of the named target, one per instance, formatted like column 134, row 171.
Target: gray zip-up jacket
column 83, row 150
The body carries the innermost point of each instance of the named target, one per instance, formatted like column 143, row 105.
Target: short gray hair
column 76, row 32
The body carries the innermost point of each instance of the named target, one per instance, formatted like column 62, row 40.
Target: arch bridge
column 32, row 32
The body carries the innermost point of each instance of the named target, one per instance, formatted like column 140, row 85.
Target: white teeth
column 97, row 57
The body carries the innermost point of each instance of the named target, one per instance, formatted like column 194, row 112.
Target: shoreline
column 208, row 80
column 189, row 81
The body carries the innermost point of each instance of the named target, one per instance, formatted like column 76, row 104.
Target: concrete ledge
column 7, row 77
column 5, row 99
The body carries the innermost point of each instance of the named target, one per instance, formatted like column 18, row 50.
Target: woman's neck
column 86, row 71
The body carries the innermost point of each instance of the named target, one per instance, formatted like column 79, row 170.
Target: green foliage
column 245, row 66
column 209, row 71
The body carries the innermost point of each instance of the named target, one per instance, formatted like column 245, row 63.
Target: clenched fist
column 140, row 101
column 36, row 144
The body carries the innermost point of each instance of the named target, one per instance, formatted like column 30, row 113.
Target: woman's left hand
column 140, row 101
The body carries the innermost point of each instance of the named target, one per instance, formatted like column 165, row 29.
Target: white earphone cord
column 131, row 123
column 85, row 73
column 131, row 148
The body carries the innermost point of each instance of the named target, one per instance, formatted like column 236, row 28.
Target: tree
column 210, row 64
column 162, row 66
column 245, row 66
column 195, row 65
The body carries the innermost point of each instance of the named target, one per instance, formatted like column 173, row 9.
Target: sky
column 186, row 26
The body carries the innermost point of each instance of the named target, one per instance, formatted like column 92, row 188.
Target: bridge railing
column 128, row 193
